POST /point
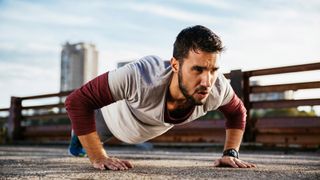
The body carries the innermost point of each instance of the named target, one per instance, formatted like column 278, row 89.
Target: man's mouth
column 203, row 92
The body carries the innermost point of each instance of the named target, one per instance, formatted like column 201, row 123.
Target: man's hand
column 228, row 161
column 98, row 156
column 112, row 164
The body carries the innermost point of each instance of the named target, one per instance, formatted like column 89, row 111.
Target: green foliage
column 53, row 121
column 212, row 115
column 282, row 112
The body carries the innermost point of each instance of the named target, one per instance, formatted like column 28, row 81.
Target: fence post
column 236, row 77
column 14, row 120
column 241, row 85
column 249, row 135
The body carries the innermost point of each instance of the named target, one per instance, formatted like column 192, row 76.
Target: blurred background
column 40, row 40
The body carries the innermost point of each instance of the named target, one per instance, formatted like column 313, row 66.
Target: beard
column 189, row 97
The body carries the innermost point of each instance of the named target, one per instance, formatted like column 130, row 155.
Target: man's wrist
column 231, row 152
column 93, row 146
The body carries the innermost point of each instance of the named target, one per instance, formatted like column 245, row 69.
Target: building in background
column 79, row 64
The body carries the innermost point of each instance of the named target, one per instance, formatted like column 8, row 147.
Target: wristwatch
column 231, row 152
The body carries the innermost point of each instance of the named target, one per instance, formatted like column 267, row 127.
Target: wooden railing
column 303, row 131
column 18, row 131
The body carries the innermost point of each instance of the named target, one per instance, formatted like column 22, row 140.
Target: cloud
column 20, row 71
column 22, row 11
column 122, row 51
column 283, row 35
column 29, row 48
column 19, row 79
column 172, row 13
column 222, row 5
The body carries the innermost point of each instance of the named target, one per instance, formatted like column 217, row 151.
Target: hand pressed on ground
column 228, row 161
column 112, row 164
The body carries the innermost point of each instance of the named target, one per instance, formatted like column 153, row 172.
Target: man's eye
column 198, row 69
column 212, row 71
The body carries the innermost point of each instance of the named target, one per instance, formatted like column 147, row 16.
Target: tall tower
column 79, row 64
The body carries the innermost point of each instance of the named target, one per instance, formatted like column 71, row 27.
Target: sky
column 257, row 34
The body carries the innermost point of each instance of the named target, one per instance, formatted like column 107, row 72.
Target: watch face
column 231, row 152
column 234, row 153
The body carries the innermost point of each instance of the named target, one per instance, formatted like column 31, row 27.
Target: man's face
column 197, row 74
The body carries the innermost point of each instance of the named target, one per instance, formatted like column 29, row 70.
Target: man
column 143, row 100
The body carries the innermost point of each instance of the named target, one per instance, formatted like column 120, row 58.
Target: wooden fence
column 18, row 129
column 304, row 131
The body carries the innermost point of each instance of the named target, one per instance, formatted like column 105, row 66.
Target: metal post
column 14, row 120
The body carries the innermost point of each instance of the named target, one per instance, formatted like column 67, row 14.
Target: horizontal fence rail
column 281, row 70
column 285, row 103
column 285, row 87
column 60, row 94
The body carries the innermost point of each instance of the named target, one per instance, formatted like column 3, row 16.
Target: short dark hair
column 196, row 38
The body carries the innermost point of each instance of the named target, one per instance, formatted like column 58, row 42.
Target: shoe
column 146, row 146
column 75, row 148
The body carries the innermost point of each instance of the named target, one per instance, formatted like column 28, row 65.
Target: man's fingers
column 247, row 165
column 240, row 163
column 120, row 164
column 233, row 163
column 127, row 163
column 112, row 164
column 112, row 167
column 99, row 166
column 252, row 165
column 117, row 164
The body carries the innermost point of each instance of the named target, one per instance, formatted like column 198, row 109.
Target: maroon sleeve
column 235, row 112
column 82, row 102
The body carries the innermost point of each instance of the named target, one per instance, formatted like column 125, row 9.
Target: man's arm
column 235, row 113
column 233, row 139
column 80, row 105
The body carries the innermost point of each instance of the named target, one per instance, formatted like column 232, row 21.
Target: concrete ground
column 39, row 162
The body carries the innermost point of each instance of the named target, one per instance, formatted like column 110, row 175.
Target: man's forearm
column 233, row 139
column 91, row 143
column 235, row 113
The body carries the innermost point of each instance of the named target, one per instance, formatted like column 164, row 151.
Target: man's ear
column 174, row 64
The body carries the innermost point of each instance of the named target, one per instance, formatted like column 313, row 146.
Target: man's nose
column 206, row 79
